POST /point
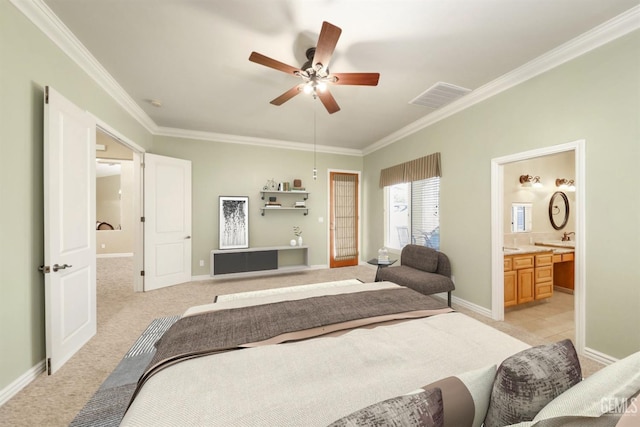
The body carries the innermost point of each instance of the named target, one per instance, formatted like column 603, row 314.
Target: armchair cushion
column 420, row 257
column 418, row 280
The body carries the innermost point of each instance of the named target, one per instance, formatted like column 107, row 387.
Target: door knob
column 188, row 237
column 57, row 267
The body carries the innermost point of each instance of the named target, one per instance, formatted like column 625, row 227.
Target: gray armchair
column 422, row 269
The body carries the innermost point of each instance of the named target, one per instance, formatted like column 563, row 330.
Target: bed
column 321, row 375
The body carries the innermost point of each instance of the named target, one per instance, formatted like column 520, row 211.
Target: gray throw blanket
column 230, row 329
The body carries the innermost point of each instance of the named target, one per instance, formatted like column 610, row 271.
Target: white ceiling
column 192, row 56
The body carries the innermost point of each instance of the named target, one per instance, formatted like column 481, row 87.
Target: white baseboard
column 590, row 353
column 21, row 382
column 200, row 278
column 127, row 254
column 471, row 306
column 599, row 357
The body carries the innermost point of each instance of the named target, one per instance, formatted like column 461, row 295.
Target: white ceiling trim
column 594, row 38
column 44, row 19
column 47, row 21
column 248, row 140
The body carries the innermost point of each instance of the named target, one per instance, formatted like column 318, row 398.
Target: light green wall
column 595, row 97
column 548, row 168
column 222, row 169
column 28, row 62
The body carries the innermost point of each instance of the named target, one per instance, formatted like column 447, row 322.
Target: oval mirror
column 558, row 210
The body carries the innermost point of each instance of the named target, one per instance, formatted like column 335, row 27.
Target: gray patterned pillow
column 527, row 381
column 423, row 409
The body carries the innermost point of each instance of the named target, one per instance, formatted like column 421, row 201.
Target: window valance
column 413, row 170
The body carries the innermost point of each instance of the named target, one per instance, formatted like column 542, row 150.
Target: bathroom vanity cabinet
column 527, row 277
column 564, row 272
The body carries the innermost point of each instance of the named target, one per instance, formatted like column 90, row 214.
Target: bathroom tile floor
column 552, row 319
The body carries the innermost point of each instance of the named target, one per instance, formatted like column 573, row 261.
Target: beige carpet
column 123, row 315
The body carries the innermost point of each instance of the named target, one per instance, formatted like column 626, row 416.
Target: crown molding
column 602, row 34
column 47, row 21
column 44, row 19
column 249, row 140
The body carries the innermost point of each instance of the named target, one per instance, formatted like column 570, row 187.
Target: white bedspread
column 315, row 382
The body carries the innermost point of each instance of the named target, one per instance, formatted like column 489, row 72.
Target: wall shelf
column 305, row 210
column 304, row 193
column 265, row 194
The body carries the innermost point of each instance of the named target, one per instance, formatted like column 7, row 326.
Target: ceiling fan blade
column 329, row 35
column 287, row 95
column 362, row 79
column 328, row 101
column 259, row 58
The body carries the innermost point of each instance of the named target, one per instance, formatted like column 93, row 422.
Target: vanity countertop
column 558, row 243
column 530, row 249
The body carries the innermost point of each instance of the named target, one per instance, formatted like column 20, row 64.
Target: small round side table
column 383, row 264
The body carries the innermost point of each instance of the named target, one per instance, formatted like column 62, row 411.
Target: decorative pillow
column 423, row 409
column 527, row 381
column 465, row 397
column 612, row 390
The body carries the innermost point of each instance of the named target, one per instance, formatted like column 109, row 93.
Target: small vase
column 299, row 240
column 292, row 242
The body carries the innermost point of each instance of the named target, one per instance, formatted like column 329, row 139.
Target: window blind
column 345, row 205
column 425, row 213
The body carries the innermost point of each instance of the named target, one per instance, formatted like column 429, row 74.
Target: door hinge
column 49, row 366
column 142, row 273
column 44, row 269
column 141, row 219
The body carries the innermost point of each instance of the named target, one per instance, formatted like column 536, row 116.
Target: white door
column 69, row 228
column 167, row 226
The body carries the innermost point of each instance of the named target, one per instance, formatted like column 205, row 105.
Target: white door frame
column 138, row 232
column 497, row 231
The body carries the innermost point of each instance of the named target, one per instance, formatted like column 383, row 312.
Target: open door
column 69, row 228
column 167, row 226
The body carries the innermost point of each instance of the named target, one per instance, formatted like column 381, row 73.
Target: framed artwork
column 234, row 222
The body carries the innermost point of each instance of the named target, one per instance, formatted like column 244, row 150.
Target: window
column 412, row 214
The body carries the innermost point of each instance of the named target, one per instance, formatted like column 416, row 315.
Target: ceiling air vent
column 439, row 95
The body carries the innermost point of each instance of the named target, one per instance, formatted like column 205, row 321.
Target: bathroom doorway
column 529, row 180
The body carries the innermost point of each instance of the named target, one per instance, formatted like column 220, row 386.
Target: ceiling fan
column 315, row 73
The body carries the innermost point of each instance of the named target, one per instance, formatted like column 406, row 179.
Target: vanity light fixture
column 530, row 181
column 566, row 184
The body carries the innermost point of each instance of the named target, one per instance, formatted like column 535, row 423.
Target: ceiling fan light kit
column 315, row 73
